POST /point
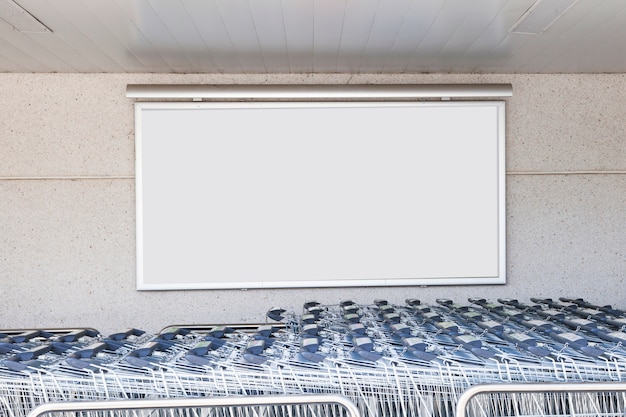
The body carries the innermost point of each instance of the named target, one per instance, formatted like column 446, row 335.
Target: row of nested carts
column 413, row 359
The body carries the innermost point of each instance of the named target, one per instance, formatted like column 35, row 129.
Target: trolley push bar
column 568, row 389
column 305, row 400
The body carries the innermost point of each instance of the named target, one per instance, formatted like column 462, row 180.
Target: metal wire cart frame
column 573, row 399
column 254, row 406
column 405, row 360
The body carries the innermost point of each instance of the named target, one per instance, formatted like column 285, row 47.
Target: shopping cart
column 545, row 400
column 258, row 406
column 408, row 360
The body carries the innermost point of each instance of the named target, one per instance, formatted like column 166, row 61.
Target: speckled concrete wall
column 67, row 208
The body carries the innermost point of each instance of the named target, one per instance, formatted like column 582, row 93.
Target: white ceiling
column 312, row 36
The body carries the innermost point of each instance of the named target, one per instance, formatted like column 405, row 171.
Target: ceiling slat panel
column 23, row 51
column 80, row 51
column 538, row 47
column 313, row 36
column 526, row 44
column 490, row 48
column 546, row 45
column 103, row 41
column 481, row 31
column 527, row 56
column 17, row 58
column 329, row 19
column 498, row 28
column 9, row 64
column 612, row 58
column 387, row 25
column 208, row 21
column 123, row 40
column 64, row 58
column 152, row 28
column 182, row 28
column 419, row 18
column 501, row 55
column 270, row 27
column 119, row 23
column 357, row 28
column 237, row 18
column 594, row 38
column 444, row 27
column 473, row 26
column 299, row 20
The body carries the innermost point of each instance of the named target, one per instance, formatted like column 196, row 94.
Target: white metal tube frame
column 178, row 403
column 317, row 92
column 475, row 390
